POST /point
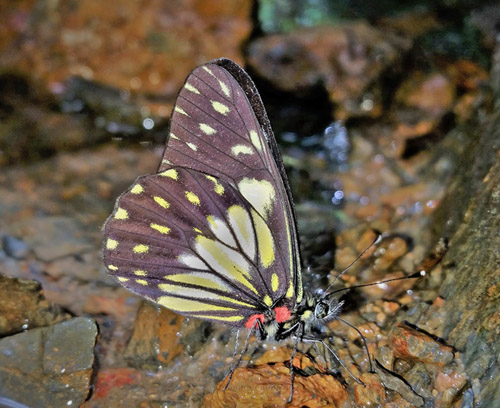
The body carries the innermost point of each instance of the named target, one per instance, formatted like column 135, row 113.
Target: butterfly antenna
column 415, row 275
column 377, row 240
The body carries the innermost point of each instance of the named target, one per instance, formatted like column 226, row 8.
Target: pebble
column 15, row 247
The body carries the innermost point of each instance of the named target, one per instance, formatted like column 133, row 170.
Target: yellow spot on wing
column 199, row 294
column 275, row 283
column 180, row 110
column 241, row 149
column 191, row 88
column 121, row 214
column 113, row 267
column 111, row 243
column 142, row 282
column 122, row 279
column 208, row 70
column 259, row 193
column 206, row 280
column 190, row 306
column 137, row 189
column 141, row 249
column 160, row 228
column 220, row 107
column 224, row 88
column 209, row 130
column 197, row 230
column 254, row 137
column 265, row 240
column 192, row 198
column 173, row 137
column 300, row 291
column 161, row 202
column 140, row 273
column 171, row 173
column 268, row 301
column 221, row 318
column 218, row 188
column 192, row 146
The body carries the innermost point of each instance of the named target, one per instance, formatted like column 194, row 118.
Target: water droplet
column 364, row 200
column 148, row 123
column 367, row 105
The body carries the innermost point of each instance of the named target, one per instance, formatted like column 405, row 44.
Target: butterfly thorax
column 305, row 320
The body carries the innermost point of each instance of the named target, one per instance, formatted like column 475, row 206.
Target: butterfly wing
column 219, row 126
column 213, row 234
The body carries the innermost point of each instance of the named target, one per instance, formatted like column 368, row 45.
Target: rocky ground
column 381, row 129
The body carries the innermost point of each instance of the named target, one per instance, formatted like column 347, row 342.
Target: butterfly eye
column 321, row 310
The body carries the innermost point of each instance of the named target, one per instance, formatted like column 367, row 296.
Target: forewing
column 191, row 242
column 219, row 126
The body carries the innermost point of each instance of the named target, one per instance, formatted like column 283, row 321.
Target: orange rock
column 409, row 343
column 269, row 386
column 372, row 394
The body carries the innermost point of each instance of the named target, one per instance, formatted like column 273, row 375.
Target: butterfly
column 213, row 234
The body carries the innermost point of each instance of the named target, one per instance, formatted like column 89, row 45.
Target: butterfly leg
column 234, row 365
column 299, row 327
column 312, row 340
column 364, row 341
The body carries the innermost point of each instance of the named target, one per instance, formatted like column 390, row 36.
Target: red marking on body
column 282, row 314
column 251, row 320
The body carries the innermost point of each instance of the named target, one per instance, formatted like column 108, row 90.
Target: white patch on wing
column 259, row 193
column 241, row 224
column 221, row 231
column 193, row 262
column 225, row 261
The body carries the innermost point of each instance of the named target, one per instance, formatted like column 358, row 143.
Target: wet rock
column 372, row 393
column 15, row 247
column 396, row 383
column 348, row 60
column 32, row 130
column 142, row 47
column 23, row 306
column 433, row 93
column 52, row 237
column 412, row 344
column 58, row 370
column 86, row 267
column 468, row 216
column 269, row 385
column 154, row 341
column 113, row 379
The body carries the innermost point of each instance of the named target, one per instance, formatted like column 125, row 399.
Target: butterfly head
column 316, row 311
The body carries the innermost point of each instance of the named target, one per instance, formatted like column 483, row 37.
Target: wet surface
column 417, row 159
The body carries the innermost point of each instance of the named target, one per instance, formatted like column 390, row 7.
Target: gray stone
column 52, row 237
column 15, row 247
column 50, row 366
